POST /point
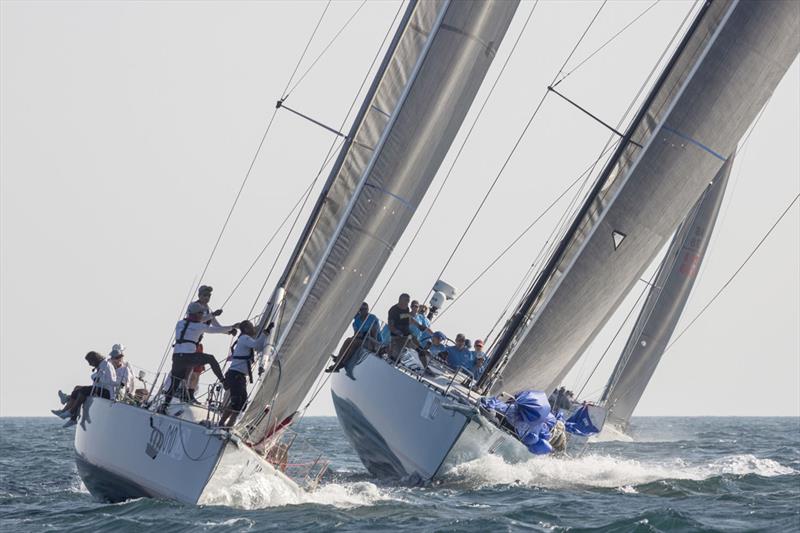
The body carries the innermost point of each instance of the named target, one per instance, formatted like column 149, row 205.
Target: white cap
column 118, row 350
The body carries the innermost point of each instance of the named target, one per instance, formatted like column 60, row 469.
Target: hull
column 407, row 428
column 124, row 452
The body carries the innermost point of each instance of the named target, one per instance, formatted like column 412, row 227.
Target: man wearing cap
column 479, row 356
column 459, row 356
column 188, row 335
column 436, row 346
column 203, row 298
column 124, row 381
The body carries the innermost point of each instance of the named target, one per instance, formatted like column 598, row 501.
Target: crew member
column 365, row 332
column 400, row 327
column 242, row 358
column 459, row 356
column 203, row 298
column 188, row 335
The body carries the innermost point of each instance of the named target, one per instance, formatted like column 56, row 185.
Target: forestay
column 664, row 304
column 721, row 75
column 415, row 106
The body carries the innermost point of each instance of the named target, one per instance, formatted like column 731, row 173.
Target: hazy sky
column 127, row 129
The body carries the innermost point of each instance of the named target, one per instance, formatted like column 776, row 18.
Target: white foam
column 606, row 471
column 269, row 488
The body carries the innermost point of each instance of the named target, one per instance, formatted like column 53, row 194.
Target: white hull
column 406, row 428
column 124, row 451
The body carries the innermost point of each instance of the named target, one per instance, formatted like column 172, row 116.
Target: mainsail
column 664, row 305
column 724, row 70
column 415, row 106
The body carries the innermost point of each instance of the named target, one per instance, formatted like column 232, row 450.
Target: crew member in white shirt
column 188, row 336
column 104, row 380
column 124, row 373
column 203, row 298
column 242, row 358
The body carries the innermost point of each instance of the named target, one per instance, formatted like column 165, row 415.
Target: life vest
column 250, row 357
column 198, row 347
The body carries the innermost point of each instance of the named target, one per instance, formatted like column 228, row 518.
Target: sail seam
column 533, row 317
column 487, row 46
column 365, row 174
column 694, row 142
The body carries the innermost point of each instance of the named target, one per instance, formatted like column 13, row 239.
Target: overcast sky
column 127, row 129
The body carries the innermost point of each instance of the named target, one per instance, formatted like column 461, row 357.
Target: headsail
column 721, row 75
column 664, row 304
column 416, row 104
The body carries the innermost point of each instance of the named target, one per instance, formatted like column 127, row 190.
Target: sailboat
column 414, row 426
column 664, row 305
column 419, row 97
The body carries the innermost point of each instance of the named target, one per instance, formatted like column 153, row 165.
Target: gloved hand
column 217, row 312
column 261, row 371
column 269, row 328
column 232, row 331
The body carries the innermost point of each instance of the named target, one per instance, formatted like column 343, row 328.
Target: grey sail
column 416, row 104
column 721, row 75
column 664, row 304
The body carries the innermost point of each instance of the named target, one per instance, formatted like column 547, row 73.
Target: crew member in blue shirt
column 366, row 329
column 436, row 346
column 459, row 356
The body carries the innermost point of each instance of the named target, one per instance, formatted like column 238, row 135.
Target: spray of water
column 605, row 471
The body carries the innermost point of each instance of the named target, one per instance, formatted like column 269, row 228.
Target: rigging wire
column 523, row 233
column 741, row 147
column 458, row 154
column 733, row 276
column 330, row 150
column 613, row 37
column 324, row 50
column 349, row 111
column 644, row 291
column 258, row 150
column 518, row 142
column 303, row 195
column 561, row 227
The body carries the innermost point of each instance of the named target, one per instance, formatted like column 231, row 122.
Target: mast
column 720, row 76
column 665, row 303
column 414, row 108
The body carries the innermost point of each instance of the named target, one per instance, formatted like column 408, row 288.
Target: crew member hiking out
column 365, row 332
column 242, row 358
column 188, row 335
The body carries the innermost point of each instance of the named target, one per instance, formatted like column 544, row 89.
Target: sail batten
column 404, row 129
column 722, row 74
column 664, row 304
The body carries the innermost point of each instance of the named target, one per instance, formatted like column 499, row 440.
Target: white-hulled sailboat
column 423, row 88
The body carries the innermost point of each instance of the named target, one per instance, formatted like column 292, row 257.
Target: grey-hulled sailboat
column 413, row 426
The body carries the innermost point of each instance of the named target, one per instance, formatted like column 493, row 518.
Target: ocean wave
column 606, row 471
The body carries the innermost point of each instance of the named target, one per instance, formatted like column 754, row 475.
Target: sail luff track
column 425, row 86
column 722, row 74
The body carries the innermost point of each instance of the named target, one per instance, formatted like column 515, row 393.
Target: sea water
column 674, row 474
